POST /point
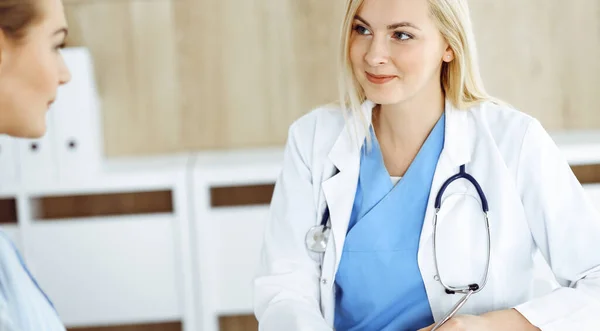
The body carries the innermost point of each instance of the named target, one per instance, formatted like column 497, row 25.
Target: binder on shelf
column 77, row 119
column 37, row 158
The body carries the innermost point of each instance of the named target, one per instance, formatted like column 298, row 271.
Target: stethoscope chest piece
column 316, row 238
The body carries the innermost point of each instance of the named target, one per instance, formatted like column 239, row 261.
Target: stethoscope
column 317, row 237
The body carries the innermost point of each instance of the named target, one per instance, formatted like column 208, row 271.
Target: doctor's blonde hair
column 460, row 78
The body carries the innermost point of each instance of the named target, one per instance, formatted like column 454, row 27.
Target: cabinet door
column 113, row 271
column 107, row 258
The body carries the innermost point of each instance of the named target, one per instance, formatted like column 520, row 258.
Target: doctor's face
column 31, row 69
column 396, row 50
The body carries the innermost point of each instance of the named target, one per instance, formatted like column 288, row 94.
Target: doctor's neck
column 409, row 123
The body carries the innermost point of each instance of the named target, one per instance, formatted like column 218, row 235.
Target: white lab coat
column 535, row 203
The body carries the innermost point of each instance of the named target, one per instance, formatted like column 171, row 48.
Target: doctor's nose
column 378, row 53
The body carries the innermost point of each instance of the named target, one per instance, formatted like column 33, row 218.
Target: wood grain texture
column 231, row 196
column 132, row 43
column 541, row 56
column 249, row 68
column 180, row 75
column 8, row 211
column 587, row 174
column 238, row 323
column 107, row 204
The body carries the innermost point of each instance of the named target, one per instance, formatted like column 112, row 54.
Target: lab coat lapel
column 457, row 150
column 340, row 189
column 373, row 177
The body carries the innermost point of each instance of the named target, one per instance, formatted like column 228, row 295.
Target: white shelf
column 245, row 167
column 147, row 164
column 107, row 219
column 579, row 147
column 9, row 191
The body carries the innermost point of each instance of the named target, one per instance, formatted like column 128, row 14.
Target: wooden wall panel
column 541, row 56
column 133, row 44
column 178, row 75
column 156, row 76
column 104, row 28
column 249, row 68
column 580, row 44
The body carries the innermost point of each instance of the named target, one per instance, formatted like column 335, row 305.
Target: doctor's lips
column 379, row 79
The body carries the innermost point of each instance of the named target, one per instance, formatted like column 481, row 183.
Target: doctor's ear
column 448, row 56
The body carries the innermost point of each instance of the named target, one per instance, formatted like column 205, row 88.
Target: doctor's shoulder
column 507, row 124
column 520, row 137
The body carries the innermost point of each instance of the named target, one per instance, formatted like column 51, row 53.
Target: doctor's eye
column 399, row 35
column 361, row 30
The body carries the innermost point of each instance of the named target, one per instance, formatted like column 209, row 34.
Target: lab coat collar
column 345, row 153
column 340, row 189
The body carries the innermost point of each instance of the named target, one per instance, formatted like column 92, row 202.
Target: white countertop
column 579, row 147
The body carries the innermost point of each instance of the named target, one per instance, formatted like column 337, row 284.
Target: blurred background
column 178, row 75
column 142, row 209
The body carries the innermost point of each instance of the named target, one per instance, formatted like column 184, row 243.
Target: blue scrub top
column 23, row 305
column 378, row 284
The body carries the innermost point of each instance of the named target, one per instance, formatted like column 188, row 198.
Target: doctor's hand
column 501, row 320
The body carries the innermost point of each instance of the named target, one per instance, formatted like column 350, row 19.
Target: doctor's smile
column 395, row 205
column 379, row 79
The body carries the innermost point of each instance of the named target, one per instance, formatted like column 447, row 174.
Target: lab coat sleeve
column 566, row 227
column 286, row 289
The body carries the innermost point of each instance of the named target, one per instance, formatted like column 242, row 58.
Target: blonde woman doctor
column 399, row 187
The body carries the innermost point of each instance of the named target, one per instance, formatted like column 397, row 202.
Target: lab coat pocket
column 461, row 239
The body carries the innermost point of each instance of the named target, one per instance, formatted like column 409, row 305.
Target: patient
column 31, row 69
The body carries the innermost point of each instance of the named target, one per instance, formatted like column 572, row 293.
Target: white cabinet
column 121, row 264
column 228, row 239
column 119, row 270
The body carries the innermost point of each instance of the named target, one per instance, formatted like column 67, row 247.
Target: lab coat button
column 324, row 281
